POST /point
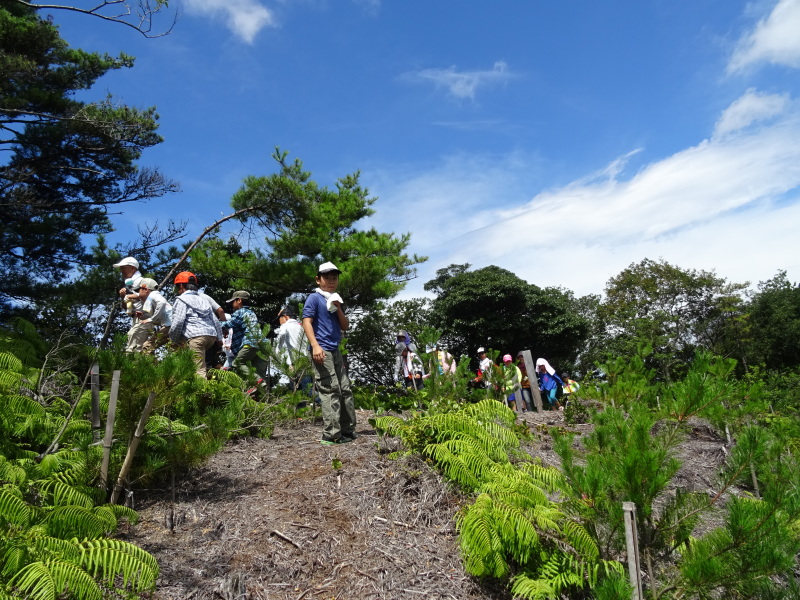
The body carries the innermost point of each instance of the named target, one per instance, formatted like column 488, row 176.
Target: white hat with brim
column 128, row 261
column 481, row 350
column 327, row 267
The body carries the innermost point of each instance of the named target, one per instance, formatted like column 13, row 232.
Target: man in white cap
column 323, row 321
column 137, row 334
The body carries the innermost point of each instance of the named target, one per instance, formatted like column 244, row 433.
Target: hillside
column 275, row 519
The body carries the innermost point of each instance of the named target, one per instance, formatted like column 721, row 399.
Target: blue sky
column 560, row 140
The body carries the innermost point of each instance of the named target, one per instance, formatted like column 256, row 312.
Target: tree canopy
column 66, row 162
column 492, row 307
column 290, row 225
column 674, row 311
column 775, row 323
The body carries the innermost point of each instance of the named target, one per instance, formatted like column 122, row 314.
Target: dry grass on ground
column 288, row 518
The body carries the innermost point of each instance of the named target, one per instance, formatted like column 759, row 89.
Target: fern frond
column 492, row 410
column 110, row 559
column 228, row 378
column 49, row 580
column 9, row 362
column 496, row 439
column 510, row 481
column 10, row 381
column 481, row 546
column 13, row 509
column 75, row 522
column 119, row 512
column 524, row 586
column 58, row 493
column 35, row 581
column 47, row 546
column 21, row 405
column 160, row 425
column 550, row 478
column 388, row 424
column 12, row 472
column 459, row 461
column 581, row 541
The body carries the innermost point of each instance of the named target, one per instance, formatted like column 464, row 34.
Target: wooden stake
column 96, row 423
column 632, row 543
column 137, row 436
column 531, row 368
column 108, row 439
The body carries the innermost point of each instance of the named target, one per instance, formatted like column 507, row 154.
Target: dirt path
column 289, row 518
column 276, row 519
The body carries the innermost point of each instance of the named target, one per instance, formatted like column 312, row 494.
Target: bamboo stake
column 137, row 436
column 107, row 440
column 632, row 543
column 96, row 423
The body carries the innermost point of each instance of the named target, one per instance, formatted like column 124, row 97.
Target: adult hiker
column 194, row 322
column 138, row 333
column 548, row 382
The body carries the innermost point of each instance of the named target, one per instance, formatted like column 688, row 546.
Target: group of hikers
column 197, row 321
column 509, row 378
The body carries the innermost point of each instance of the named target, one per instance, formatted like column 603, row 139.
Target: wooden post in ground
column 531, row 369
column 107, row 440
column 632, row 543
column 95, row 382
column 132, row 447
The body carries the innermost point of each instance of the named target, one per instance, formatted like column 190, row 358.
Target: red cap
column 185, row 277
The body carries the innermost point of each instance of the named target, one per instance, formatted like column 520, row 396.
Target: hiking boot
column 353, row 436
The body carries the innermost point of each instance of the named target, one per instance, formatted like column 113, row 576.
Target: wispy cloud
column 245, row 18
column 730, row 203
column 372, row 7
column 752, row 107
column 464, row 84
column 774, row 39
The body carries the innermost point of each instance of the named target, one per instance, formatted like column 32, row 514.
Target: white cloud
column 245, row 18
column 752, row 107
column 464, row 84
column 730, row 203
column 774, row 39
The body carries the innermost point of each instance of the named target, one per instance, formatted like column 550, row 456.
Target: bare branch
column 118, row 11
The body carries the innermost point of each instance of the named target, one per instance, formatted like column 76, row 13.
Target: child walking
column 323, row 323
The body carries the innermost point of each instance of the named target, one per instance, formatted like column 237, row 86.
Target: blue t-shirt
column 325, row 324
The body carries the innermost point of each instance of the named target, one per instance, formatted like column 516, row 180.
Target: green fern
column 13, row 509
column 109, row 559
column 10, row 381
column 58, row 493
column 50, row 580
column 481, row 545
column 460, row 461
column 9, row 362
